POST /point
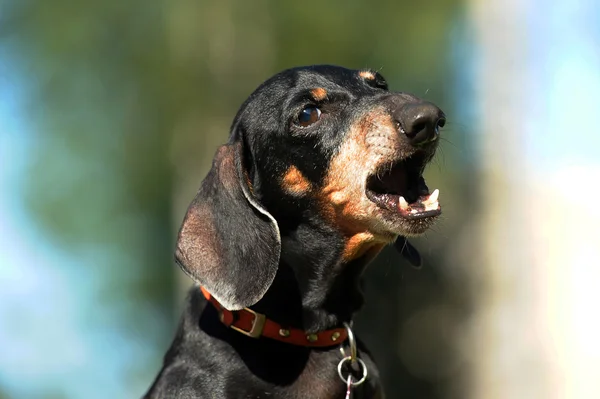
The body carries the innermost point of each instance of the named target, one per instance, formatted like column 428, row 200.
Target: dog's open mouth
column 400, row 188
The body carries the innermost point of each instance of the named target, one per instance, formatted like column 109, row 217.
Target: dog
column 323, row 168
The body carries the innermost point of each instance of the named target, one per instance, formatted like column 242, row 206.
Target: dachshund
column 322, row 169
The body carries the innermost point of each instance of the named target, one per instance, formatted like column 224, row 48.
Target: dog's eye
column 308, row 116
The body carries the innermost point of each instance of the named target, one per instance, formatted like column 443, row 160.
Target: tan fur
column 343, row 197
column 366, row 75
column 318, row 94
column 360, row 244
column 295, row 183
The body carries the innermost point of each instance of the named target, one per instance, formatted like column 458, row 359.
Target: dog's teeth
column 431, row 203
column 433, row 197
column 403, row 204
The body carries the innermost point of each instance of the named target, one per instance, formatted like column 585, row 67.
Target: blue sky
column 47, row 346
column 566, row 64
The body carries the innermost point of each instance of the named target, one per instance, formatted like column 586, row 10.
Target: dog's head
column 321, row 145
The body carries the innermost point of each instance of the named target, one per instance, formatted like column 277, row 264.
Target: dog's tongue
column 408, row 251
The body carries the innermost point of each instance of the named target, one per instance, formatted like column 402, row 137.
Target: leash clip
column 353, row 360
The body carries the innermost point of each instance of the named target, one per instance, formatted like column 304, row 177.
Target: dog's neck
column 314, row 288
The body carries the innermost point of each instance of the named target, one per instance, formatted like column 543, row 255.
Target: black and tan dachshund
column 323, row 168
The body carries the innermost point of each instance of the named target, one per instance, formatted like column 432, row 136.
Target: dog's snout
column 420, row 122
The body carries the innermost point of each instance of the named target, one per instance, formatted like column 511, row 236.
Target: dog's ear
column 408, row 251
column 228, row 242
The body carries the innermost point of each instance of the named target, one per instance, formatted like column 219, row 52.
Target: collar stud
column 284, row 333
column 312, row 337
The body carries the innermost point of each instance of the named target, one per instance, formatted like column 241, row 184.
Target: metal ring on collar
column 363, row 367
column 352, row 342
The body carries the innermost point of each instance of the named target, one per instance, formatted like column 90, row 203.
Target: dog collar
column 256, row 325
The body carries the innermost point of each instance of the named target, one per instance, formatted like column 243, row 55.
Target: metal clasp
column 353, row 361
column 349, row 381
column 257, row 325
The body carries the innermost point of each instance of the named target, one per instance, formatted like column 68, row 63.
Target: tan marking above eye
column 366, row 75
column 318, row 94
column 295, row 183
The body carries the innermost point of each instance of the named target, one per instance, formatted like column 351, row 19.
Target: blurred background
column 110, row 112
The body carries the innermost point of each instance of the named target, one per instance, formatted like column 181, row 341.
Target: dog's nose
column 420, row 122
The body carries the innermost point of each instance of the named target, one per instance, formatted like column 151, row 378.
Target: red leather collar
column 255, row 325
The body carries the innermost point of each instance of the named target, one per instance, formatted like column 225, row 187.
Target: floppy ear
column 228, row 242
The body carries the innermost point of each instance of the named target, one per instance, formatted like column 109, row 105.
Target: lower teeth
column 429, row 204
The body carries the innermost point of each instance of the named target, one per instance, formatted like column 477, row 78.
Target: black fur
column 250, row 243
